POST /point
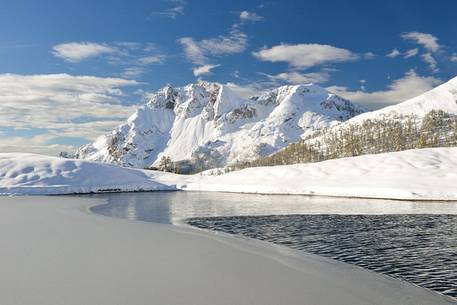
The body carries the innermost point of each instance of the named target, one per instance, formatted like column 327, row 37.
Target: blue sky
column 72, row 70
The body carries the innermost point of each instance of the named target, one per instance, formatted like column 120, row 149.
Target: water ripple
column 421, row 249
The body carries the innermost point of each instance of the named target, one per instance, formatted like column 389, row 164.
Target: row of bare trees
column 436, row 129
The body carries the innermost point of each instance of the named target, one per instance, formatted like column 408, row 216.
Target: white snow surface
column 210, row 122
column 443, row 97
column 421, row 174
column 54, row 253
column 32, row 174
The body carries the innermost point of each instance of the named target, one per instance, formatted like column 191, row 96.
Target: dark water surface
column 414, row 241
column 421, row 249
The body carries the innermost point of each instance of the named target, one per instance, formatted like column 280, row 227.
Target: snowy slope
column 420, row 174
column 208, row 123
column 443, row 97
column 440, row 98
column 33, row 174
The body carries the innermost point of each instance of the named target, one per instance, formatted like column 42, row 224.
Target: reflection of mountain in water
column 173, row 207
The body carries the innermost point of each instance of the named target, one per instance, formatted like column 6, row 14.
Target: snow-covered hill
column 427, row 120
column 31, row 174
column 206, row 125
column 443, row 97
column 419, row 174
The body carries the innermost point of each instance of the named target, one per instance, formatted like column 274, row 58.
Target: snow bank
column 33, row 174
column 421, row 174
column 54, row 254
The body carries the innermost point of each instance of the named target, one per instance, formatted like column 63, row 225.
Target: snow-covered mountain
column 443, row 97
column 208, row 125
column 427, row 120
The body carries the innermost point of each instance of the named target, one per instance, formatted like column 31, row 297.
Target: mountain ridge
column 208, row 125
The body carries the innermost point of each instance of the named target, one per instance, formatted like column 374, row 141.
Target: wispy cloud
column 453, row 57
column 431, row 61
column 411, row 53
column 200, row 52
column 152, row 59
column 132, row 56
column 406, row 87
column 193, row 51
column 205, row 69
column 174, row 11
column 235, row 42
column 407, row 54
column 395, row 53
column 132, row 72
column 428, row 41
column 66, row 106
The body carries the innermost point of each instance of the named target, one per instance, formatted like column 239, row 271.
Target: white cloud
column 250, row 16
column 410, row 85
column 294, row 77
column 428, row 41
column 394, row 53
column 305, row 55
column 131, row 54
column 236, row 74
column 205, row 69
column 368, row 55
column 193, row 51
column 453, row 57
column 236, row 42
column 78, row 51
column 198, row 52
column 411, row 53
column 64, row 105
column 151, row 59
column 132, row 72
column 431, row 61
column 173, row 12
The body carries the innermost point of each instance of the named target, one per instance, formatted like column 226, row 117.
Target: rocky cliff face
column 206, row 125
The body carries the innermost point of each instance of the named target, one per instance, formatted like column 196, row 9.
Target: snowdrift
column 420, row 174
column 31, row 174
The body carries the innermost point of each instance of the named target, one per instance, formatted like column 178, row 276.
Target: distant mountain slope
column 428, row 120
column 206, row 125
column 443, row 97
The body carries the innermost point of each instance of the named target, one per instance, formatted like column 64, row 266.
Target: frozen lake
column 414, row 241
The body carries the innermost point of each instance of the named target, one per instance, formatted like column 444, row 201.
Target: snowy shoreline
column 420, row 174
column 173, row 265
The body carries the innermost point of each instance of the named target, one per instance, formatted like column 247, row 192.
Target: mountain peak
column 207, row 123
